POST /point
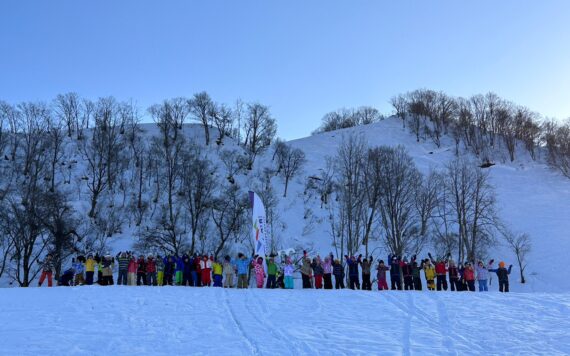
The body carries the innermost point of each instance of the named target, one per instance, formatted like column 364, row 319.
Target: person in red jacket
column 206, row 270
column 469, row 276
column 454, row 276
column 440, row 271
column 151, row 271
column 197, row 263
column 141, row 271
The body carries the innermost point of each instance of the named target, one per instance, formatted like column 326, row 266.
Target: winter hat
column 502, row 264
column 381, row 262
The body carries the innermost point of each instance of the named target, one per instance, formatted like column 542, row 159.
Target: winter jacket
column 123, row 262
column 78, row 267
column 47, row 265
column 407, row 270
column 453, row 272
column 228, row 268
column 338, row 270
column 317, row 269
column 381, row 274
column 187, row 265
column 271, row 268
column 327, row 266
column 353, row 267
column 150, row 265
column 306, row 267
column 217, row 267
column 429, row 271
column 366, row 265
column 440, row 268
column 159, row 264
column 469, row 274
column 206, row 264
column 141, row 266
column 502, row 273
column 179, row 264
column 482, row 273
column 107, row 265
column 133, row 266
column 394, row 267
column 288, row 270
column 90, row 265
column 259, row 271
column 243, row 265
column 415, row 271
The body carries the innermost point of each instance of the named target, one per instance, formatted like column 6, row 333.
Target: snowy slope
column 213, row 321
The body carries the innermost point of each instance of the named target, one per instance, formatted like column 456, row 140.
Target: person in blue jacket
column 243, row 263
column 169, row 265
column 179, row 271
column 395, row 264
column 503, row 276
column 353, row 281
column 187, row 273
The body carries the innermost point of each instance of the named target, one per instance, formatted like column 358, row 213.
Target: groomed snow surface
column 120, row 320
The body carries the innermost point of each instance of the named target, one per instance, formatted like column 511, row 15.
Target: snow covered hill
column 213, row 321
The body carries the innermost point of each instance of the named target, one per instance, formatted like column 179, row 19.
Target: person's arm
column 510, row 268
column 431, row 258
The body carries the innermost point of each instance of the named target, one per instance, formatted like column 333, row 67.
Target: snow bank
column 203, row 321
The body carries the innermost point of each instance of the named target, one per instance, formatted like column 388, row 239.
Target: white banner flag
column 259, row 224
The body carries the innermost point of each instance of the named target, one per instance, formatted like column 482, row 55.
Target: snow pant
column 288, row 282
column 217, row 280
column 430, row 284
column 318, row 281
column 195, row 281
column 408, row 283
column 483, row 285
column 107, row 280
column 441, row 282
column 186, row 279
column 206, row 279
column 471, row 286
column 49, row 278
column 271, row 282
column 454, row 284
column 259, row 279
column 99, row 276
column 229, row 280
column 160, row 278
column 122, row 277
column 242, row 281
column 167, row 278
column 132, row 279
column 179, row 276
column 141, row 279
column 353, row 282
column 396, row 283
column 417, row 283
column 382, row 284
column 328, row 280
column 306, row 281
column 79, row 279
column 503, row 286
column 366, row 284
column 89, row 278
column 151, row 279
column 338, row 282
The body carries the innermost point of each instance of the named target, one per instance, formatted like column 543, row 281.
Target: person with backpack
column 407, row 272
column 353, row 262
column 132, row 271
column 229, row 270
column 429, row 271
column 288, row 271
column 271, row 273
column 141, row 271
column 482, row 276
column 89, row 269
column 503, row 276
column 318, row 272
column 381, row 275
column 366, row 265
column 395, row 265
column 469, row 276
column 123, row 260
column 47, row 271
column 150, row 271
column 338, row 272
column 454, row 277
column 327, row 272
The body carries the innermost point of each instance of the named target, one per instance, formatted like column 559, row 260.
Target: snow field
column 206, row 321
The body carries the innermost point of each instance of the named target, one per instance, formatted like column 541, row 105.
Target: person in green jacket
column 271, row 273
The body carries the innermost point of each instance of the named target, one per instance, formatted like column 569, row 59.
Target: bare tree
column 290, row 161
column 229, row 216
column 520, row 245
column 557, row 139
column 400, row 105
column 260, row 130
column 234, row 162
column 223, row 117
column 67, row 108
column 200, row 108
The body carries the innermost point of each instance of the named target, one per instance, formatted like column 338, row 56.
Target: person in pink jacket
column 259, row 272
column 132, row 272
column 328, row 269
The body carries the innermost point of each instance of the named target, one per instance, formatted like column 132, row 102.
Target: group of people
column 203, row 270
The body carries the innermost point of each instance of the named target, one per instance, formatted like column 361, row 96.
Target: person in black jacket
column 353, row 280
column 503, row 276
column 141, row 271
column 407, row 272
column 338, row 272
column 394, row 263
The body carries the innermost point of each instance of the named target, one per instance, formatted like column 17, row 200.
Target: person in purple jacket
column 482, row 276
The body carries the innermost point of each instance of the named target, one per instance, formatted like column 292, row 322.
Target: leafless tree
column 234, row 162
column 229, row 216
column 400, row 105
column 223, row 117
column 290, row 161
column 67, row 108
column 557, row 139
column 260, row 130
column 200, row 108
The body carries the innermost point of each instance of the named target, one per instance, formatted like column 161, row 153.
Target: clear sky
column 302, row 58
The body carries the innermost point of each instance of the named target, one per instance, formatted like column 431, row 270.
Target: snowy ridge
column 207, row 321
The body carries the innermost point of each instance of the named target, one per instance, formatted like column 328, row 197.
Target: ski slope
column 206, row 321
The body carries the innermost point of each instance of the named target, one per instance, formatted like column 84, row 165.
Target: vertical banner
column 259, row 224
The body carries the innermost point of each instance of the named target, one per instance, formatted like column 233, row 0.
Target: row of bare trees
column 349, row 117
column 381, row 195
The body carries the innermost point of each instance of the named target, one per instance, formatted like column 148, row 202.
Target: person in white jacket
column 288, row 271
column 482, row 276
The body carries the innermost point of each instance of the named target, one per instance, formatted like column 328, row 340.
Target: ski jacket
column 179, row 264
column 338, row 270
column 47, row 265
column 243, row 265
column 352, row 267
column 217, row 268
column 407, row 270
column 366, row 266
column 453, row 272
column 327, row 267
column 394, row 266
column 228, row 268
column 306, row 267
column 469, row 274
column 258, row 268
column 141, row 266
column 206, row 264
column 429, row 271
column 78, row 267
column 90, row 265
column 317, row 269
column 288, row 270
column 123, row 262
column 440, row 268
column 502, row 273
column 159, row 264
column 150, row 265
column 381, row 274
column 271, row 268
column 415, row 272
column 187, row 265
column 482, row 273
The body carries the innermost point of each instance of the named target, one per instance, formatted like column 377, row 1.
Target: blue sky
column 302, row 58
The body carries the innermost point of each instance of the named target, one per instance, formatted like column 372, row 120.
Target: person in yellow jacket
column 217, row 269
column 429, row 271
column 89, row 269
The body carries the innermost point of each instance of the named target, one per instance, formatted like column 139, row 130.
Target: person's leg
column 89, row 278
column 485, row 286
column 50, row 280
column 42, row 278
column 506, row 287
column 438, row 283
